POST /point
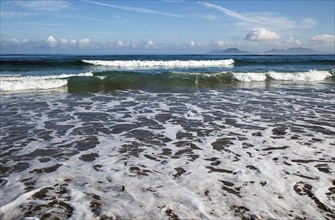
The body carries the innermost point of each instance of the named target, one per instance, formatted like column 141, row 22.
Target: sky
column 164, row 26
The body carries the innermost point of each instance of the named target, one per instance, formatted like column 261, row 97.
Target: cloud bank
column 252, row 42
column 323, row 39
column 51, row 41
column 52, row 44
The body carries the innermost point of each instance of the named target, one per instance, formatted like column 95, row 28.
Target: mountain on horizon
column 292, row 50
column 230, row 50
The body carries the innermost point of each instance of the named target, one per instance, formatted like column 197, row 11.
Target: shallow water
column 254, row 151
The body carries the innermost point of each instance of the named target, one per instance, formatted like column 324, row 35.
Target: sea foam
column 161, row 63
column 18, row 83
column 230, row 153
column 311, row 75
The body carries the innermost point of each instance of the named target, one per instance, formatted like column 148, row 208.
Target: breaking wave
column 17, row 82
column 162, row 63
column 116, row 80
column 311, row 75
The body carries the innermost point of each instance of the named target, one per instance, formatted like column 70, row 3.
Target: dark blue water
column 43, row 64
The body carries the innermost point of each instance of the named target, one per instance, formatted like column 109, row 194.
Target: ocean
column 167, row 137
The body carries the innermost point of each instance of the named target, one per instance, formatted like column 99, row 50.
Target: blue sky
column 164, row 26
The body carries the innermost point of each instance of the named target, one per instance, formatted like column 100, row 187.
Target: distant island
column 228, row 50
column 292, row 50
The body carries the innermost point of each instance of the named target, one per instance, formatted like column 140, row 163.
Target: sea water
column 167, row 137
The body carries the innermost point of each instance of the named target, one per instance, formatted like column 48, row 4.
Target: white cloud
column 192, row 43
column 323, row 39
column 44, row 5
column 149, row 44
column 15, row 41
column 119, row 43
column 51, row 41
column 73, row 42
column 291, row 41
column 261, row 34
column 219, row 43
column 85, row 42
column 134, row 9
column 308, row 23
column 63, row 41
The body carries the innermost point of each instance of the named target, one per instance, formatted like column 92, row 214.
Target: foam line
column 161, row 63
column 22, row 198
column 311, row 75
column 18, row 83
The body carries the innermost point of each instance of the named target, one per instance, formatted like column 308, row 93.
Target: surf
column 21, row 83
column 121, row 80
column 162, row 63
column 308, row 76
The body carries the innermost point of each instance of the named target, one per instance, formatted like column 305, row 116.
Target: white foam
column 17, row 83
column 250, row 77
column 22, row 198
column 161, row 63
column 80, row 205
column 311, row 75
column 31, row 84
column 266, row 191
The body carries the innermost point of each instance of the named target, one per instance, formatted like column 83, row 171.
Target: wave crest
column 113, row 80
column 161, row 63
column 17, row 83
column 311, row 75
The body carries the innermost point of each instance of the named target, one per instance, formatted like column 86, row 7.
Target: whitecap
column 161, row 63
column 311, row 75
column 17, row 83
